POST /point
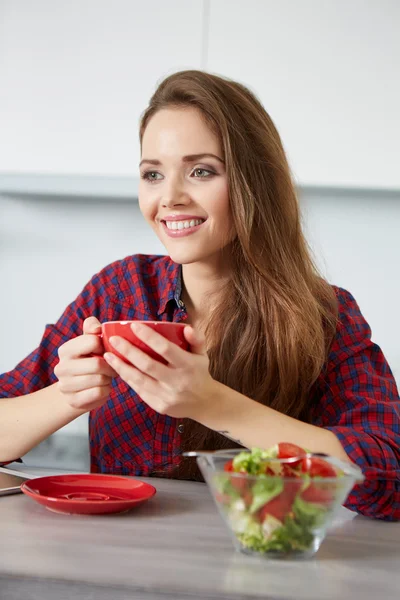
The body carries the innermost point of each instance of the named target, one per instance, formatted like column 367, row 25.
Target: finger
column 128, row 373
column 197, row 340
column 83, row 345
column 146, row 387
column 168, row 350
column 89, row 399
column 91, row 325
column 141, row 360
column 136, row 379
column 85, row 366
column 83, row 382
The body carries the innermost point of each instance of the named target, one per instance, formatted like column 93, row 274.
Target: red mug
column 172, row 331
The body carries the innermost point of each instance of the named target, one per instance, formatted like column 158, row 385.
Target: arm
column 28, row 420
column 356, row 415
column 31, row 403
column 254, row 425
column 359, row 403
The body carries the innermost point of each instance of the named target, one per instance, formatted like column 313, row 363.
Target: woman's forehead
column 179, row 132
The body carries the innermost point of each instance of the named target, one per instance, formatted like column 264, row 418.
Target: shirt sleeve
column 36, row 371
column 359, row 402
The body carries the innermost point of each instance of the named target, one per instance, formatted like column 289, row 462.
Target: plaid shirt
column 356, row 398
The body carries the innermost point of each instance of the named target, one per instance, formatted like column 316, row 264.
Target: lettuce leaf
column 254, row 462
column 309, row 514
column 224, row 485
column 265, row 490
column 290, row 537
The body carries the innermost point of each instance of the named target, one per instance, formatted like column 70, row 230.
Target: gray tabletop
column 176, row 546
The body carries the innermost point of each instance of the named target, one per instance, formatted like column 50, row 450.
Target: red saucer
column 88, row 494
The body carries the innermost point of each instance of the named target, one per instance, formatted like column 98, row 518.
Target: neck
column 201, row 282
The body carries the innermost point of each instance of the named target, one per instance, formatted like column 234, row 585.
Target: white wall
column 356, row 242
column 77, row 74
column 328, row 73
column 49, row 249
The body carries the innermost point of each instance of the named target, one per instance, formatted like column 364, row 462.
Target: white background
column 75, row 76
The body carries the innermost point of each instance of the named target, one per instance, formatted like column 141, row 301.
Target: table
column 176, row 547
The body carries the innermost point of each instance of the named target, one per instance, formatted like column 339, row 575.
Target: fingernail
column 110, row 358
column 115, row 341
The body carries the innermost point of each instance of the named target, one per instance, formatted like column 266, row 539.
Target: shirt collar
column 170, row 285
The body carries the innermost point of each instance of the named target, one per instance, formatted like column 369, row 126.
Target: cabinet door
column 327, row 72
column 76, row 75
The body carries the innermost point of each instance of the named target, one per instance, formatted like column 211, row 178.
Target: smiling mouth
column 180, row 225
column 177, row 229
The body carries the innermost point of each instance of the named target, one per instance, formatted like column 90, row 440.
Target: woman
column 277, row 353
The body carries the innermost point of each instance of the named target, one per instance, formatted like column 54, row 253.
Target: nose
column 174, row 193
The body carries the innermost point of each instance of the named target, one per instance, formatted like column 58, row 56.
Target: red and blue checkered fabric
column 355, row 397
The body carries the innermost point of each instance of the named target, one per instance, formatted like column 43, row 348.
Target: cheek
column 217, row 199
column 221, row 225
column 222, row 209
column 147, row 208
column 225, row 217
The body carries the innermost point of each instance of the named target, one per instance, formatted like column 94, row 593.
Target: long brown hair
column 269, row 334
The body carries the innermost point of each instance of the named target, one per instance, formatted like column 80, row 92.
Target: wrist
column 71, row 412
column 224, row 407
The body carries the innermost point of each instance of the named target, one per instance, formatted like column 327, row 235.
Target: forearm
column 25, row 421
column 255, row 425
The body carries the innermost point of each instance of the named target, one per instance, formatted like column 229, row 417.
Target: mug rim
column 127, row 322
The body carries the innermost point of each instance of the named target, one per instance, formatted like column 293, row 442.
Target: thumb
column 91, row 325
column 196, row 340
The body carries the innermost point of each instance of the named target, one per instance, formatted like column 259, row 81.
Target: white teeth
column 183, row 224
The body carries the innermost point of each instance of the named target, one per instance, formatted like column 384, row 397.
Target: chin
column 185, row 257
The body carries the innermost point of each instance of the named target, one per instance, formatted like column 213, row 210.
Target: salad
column 282, row 508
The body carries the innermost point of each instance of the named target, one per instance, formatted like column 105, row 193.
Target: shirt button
column 181, row 428
column 181, row 303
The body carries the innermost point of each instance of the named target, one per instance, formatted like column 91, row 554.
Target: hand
column 83, row 379
column 183, row 388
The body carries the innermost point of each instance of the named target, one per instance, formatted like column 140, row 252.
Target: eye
column 151, row 176
column 201, row 173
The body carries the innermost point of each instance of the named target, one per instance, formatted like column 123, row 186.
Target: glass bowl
column 276, row 516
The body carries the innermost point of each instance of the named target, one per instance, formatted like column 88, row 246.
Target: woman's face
column 183, row 191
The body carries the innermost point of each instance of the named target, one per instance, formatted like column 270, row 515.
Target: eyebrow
column 186, row 159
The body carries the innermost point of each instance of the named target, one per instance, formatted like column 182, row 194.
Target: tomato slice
column 281, row 505
column 287, row 450
column 317, row 467
column 278, row 507
column 248, row 498
column 293, row 487
column 228, row 466
column 239, row 483
column 291, row 470
column 318, row 493
column 269, row 471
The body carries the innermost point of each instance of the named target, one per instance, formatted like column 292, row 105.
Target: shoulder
column 122, row 276
column 350, row 317
column 353, row 333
